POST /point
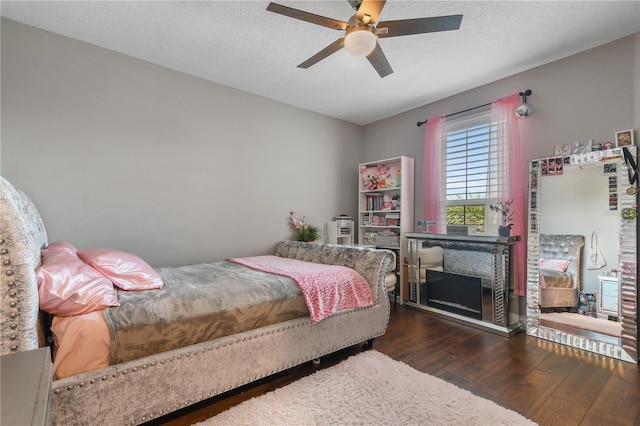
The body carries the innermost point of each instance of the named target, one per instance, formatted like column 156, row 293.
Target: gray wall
column 590, row 95
column 117, row 152
column 636, row 87
column 120, row 153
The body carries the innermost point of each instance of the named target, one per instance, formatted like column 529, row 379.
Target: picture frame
column 563, row 149
column 581, row 147
column 624, row 138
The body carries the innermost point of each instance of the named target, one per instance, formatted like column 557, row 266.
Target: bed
column 560, row 264
column 140, row 387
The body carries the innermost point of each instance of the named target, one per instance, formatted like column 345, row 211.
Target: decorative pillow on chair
column 125, row 270
column 556, row 279
column 68, row 286
column 554, row 264
column 431, row 257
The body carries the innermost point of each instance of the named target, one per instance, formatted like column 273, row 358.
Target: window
column 471, row 159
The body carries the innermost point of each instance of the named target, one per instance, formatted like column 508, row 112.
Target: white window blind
column 471, row 170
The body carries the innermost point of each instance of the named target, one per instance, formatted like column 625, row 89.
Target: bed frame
column 141, row 390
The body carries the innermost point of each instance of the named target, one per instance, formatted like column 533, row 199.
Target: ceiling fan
column 361, row 32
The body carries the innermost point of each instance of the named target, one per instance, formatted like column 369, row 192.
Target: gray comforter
column 199, row 303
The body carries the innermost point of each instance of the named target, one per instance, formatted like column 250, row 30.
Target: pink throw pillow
column 554, row 264
column 68, row 286
column 125, row 270
column 61, row 246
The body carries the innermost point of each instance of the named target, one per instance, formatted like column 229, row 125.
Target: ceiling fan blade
column 419, row 26
column 379, row 61
column 306, row 16
column 371, row 8
column 332, row 48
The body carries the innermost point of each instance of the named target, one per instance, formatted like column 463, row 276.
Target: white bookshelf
column 385, row 209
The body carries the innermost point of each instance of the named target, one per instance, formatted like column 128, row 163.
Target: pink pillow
column 554, row 264
column 68, row 286
column 61, row 246
column 125, row 270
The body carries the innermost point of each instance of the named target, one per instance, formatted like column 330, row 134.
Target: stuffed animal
column 393, row 180
column 383, row 176
column 369, row 177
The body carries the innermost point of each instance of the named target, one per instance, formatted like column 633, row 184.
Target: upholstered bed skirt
column 138, row 391
column 558, row 297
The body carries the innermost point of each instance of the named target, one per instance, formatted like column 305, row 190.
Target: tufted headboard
column 568, row 247
column 22, row 236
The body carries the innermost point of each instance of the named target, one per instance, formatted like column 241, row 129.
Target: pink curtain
column 503, row 113
column 433, row 208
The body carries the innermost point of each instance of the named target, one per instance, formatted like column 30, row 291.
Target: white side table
column 609, row 296
column 340, row 232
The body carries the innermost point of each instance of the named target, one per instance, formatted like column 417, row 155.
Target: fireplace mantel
column 484, row 258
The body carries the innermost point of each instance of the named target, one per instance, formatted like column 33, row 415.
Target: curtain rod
column 525, row 93
column 420, row 123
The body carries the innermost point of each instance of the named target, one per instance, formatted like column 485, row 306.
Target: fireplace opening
column 459, row 294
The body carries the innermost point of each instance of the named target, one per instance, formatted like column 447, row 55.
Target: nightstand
column 26, row 385
column 609, row 296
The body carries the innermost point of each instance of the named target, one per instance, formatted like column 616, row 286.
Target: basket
column 370, row 238
column 387, row 240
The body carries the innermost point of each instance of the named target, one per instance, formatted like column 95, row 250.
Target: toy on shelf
column 394, row 176
column 369, row 177
column 380, row 177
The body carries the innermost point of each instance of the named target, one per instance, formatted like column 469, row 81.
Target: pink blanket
column 326, row 288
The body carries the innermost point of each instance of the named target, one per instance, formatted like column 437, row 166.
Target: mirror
column 579, row 303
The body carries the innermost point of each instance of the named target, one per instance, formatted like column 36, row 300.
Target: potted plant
column 302, row 231
column 504, row 208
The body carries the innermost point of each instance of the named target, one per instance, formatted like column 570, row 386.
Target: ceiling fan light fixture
column 360, row 41
column 363, row 29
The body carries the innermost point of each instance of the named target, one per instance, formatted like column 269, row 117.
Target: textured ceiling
column 241, row 45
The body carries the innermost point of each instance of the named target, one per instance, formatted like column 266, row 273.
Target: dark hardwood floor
column 548, row 383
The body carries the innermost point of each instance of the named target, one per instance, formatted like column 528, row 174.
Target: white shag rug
column 368, row 389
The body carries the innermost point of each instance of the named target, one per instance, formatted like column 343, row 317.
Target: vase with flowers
column 504, row 208
column 302, row 231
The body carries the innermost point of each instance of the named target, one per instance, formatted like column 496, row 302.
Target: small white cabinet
column 340, row 231
column 609, row 300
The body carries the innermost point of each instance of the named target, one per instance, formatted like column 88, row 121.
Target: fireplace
column 473, row 285
column 455, row 293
